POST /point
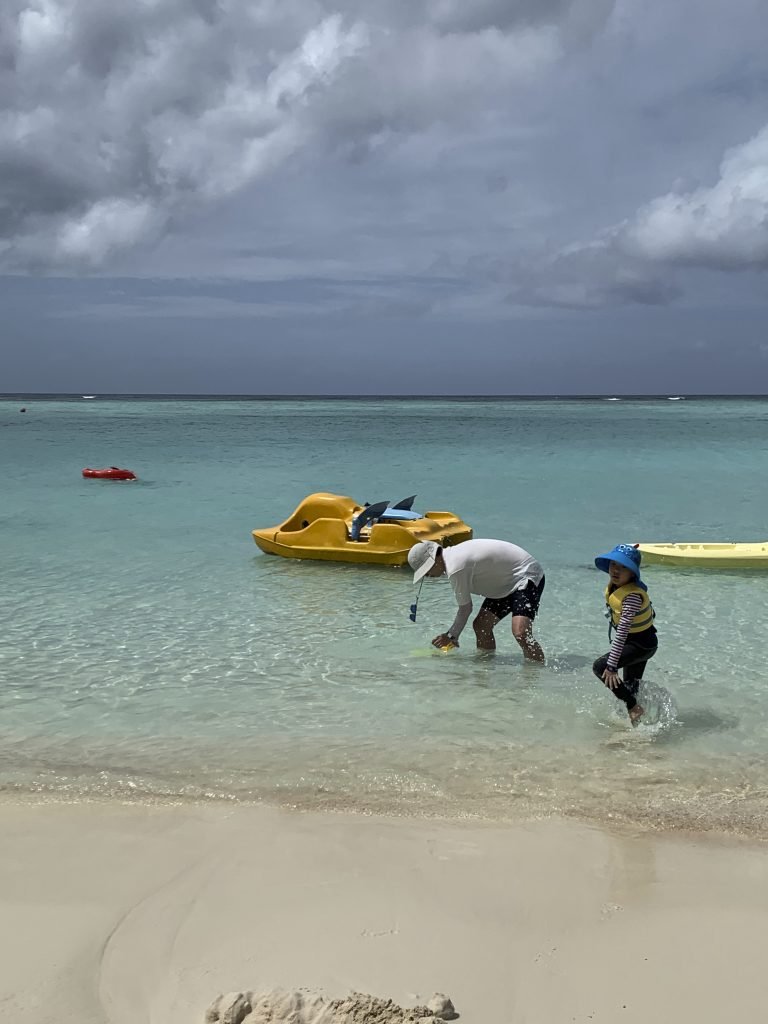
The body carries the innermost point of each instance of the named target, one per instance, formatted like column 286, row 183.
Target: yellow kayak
column 713, row 556
column 334, row 528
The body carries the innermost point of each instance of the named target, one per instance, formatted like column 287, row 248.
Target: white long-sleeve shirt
column 488, row 568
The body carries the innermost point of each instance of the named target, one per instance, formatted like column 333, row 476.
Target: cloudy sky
column 384, row 196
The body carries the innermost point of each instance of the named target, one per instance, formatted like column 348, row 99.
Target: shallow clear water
column 149, row 649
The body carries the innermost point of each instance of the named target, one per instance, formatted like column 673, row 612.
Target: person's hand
column 611, row 678
column 444, row 641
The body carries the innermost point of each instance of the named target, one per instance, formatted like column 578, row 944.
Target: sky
column 384, row 196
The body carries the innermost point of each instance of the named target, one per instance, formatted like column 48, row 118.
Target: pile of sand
column 303, row 1006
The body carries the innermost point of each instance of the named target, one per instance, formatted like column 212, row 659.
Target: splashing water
column 660, row 707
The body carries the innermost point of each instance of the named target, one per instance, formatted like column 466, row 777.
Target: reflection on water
column 570, row 663
column 700, row 721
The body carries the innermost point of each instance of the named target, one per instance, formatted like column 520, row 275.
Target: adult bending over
column 507, row 576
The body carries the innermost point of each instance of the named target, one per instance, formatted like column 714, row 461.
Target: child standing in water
column 631, row 629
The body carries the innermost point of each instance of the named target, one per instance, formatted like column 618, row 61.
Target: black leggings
column 633, row 660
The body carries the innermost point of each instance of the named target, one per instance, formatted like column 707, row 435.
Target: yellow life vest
column 614, row 599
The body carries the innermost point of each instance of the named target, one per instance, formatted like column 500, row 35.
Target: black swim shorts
column 520, row 602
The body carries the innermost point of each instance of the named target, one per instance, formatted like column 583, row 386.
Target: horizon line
column 389, row 395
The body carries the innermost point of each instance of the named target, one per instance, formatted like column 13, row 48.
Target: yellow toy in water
column 334, row 528
column 430, row 652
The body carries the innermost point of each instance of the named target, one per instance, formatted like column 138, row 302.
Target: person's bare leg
column 522, row 631
column 633, row 685
column 483, row 626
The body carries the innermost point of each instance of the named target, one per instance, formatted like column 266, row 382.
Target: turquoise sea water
column 150, row 650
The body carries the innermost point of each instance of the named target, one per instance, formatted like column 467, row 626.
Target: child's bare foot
column 636, row 714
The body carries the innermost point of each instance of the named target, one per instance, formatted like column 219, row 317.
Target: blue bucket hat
column 626, row 555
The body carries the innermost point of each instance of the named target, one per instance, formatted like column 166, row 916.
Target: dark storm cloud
column 124, row 117
column 565, row 153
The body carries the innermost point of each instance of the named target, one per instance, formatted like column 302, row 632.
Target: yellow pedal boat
column 334, row 528
column 710, row 556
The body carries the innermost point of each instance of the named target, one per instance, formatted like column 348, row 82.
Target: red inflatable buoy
column 112, row 473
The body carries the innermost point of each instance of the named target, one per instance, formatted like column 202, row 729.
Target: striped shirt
column 630, row 606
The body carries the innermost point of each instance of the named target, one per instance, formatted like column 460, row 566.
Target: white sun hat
column 422, row 557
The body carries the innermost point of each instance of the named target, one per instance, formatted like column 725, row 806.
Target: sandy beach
column 126, row 914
